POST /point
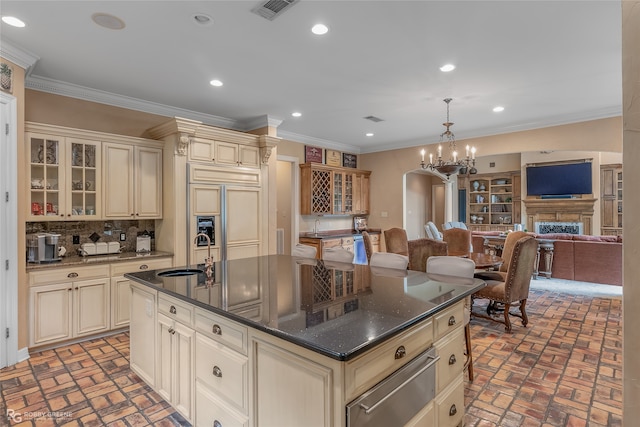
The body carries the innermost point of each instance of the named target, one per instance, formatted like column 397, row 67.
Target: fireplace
column 560, row 212
column 546, row 227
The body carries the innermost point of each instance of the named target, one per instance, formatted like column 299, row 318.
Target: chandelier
column 455, row 163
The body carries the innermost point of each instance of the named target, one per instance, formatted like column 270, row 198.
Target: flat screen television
column 559, row 180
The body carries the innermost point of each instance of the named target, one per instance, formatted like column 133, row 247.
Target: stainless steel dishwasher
column 397, row 398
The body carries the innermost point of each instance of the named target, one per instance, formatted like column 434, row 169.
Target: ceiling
column 545, row 62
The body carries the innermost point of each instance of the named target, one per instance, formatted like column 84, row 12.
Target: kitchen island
column 279, row 340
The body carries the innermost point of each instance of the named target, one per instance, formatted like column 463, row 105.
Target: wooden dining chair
column 459, row 267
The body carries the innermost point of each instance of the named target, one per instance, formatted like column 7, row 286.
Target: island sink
column 177, row 272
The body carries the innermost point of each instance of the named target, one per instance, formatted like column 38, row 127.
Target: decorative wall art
column 6, row 77
column 333, row 158
column 349, row 160
column 312, row 154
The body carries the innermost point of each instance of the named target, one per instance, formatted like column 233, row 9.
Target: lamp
column 454, row 164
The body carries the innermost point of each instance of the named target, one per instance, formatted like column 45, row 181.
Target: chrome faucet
column 316, row 226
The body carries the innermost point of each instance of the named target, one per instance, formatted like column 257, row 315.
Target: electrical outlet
column 123, row 237
column 76, row 240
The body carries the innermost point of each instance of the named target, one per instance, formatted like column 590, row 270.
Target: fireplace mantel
column 560, row 210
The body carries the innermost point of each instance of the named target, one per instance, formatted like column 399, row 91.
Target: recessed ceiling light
column 296, row 114
column 319, row 29
column 13, row 21
column 108, row 21
column 448, row 67
column 215, row 82
column 498, row 109
column 369, row 134
column 202, row 19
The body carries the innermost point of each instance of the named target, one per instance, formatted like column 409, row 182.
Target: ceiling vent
column 374, row 119
column 271, row 9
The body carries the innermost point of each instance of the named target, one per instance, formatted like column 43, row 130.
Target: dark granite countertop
column 338, row 310
column 331, row 234
column 76, row 260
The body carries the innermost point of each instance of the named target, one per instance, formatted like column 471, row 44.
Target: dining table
column 486, row 261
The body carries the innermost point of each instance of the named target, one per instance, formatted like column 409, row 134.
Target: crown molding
column 57, row 87
column 19, row 56
column 260, row 122
column 324, row 143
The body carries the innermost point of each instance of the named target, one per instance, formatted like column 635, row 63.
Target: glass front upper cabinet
column 64, row 178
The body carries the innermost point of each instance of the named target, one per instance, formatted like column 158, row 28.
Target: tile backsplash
column 109, row 231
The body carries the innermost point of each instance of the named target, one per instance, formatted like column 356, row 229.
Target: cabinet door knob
column 217, row 423
column 72, row 275
column 172, row 331
column 216, row 330
column 453, row 410
column 172, row 309
column 452, row 320
column 400, row 352
column 217, row 372
column 144, row 267
column 452, row 359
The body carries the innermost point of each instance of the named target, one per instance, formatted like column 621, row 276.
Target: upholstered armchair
column 458, row 240
column 395, row 240
column 511, row 286
column 432, row 231
column 454, row 224
column 421, row 249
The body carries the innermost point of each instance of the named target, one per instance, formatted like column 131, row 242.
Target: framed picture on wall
column 333, row 158
column 349, row 160
column 312, row 154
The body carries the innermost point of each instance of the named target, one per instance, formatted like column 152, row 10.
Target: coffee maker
column 42, row 247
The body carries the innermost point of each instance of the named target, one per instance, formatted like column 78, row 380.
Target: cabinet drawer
column 222, row 330
column 452, row 358
column 120, row 268
column 212, row 412
column 61, row 275
column 331, row 243
column 175, row 309
column 449, row 320
column 450, row 405
column 365, row 371
column 222, row 370
column 346, row 241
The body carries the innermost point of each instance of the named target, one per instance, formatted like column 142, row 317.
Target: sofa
column 595, row 259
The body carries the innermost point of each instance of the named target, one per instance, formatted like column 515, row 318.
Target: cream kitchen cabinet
column 224, row 153
column 221, row 371
column 142, row 332
column 132, row 181
column 175, row 354
column 69, row 303
column 64, row 176
column 120, row 292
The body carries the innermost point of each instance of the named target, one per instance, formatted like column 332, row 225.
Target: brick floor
column 563, row 369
